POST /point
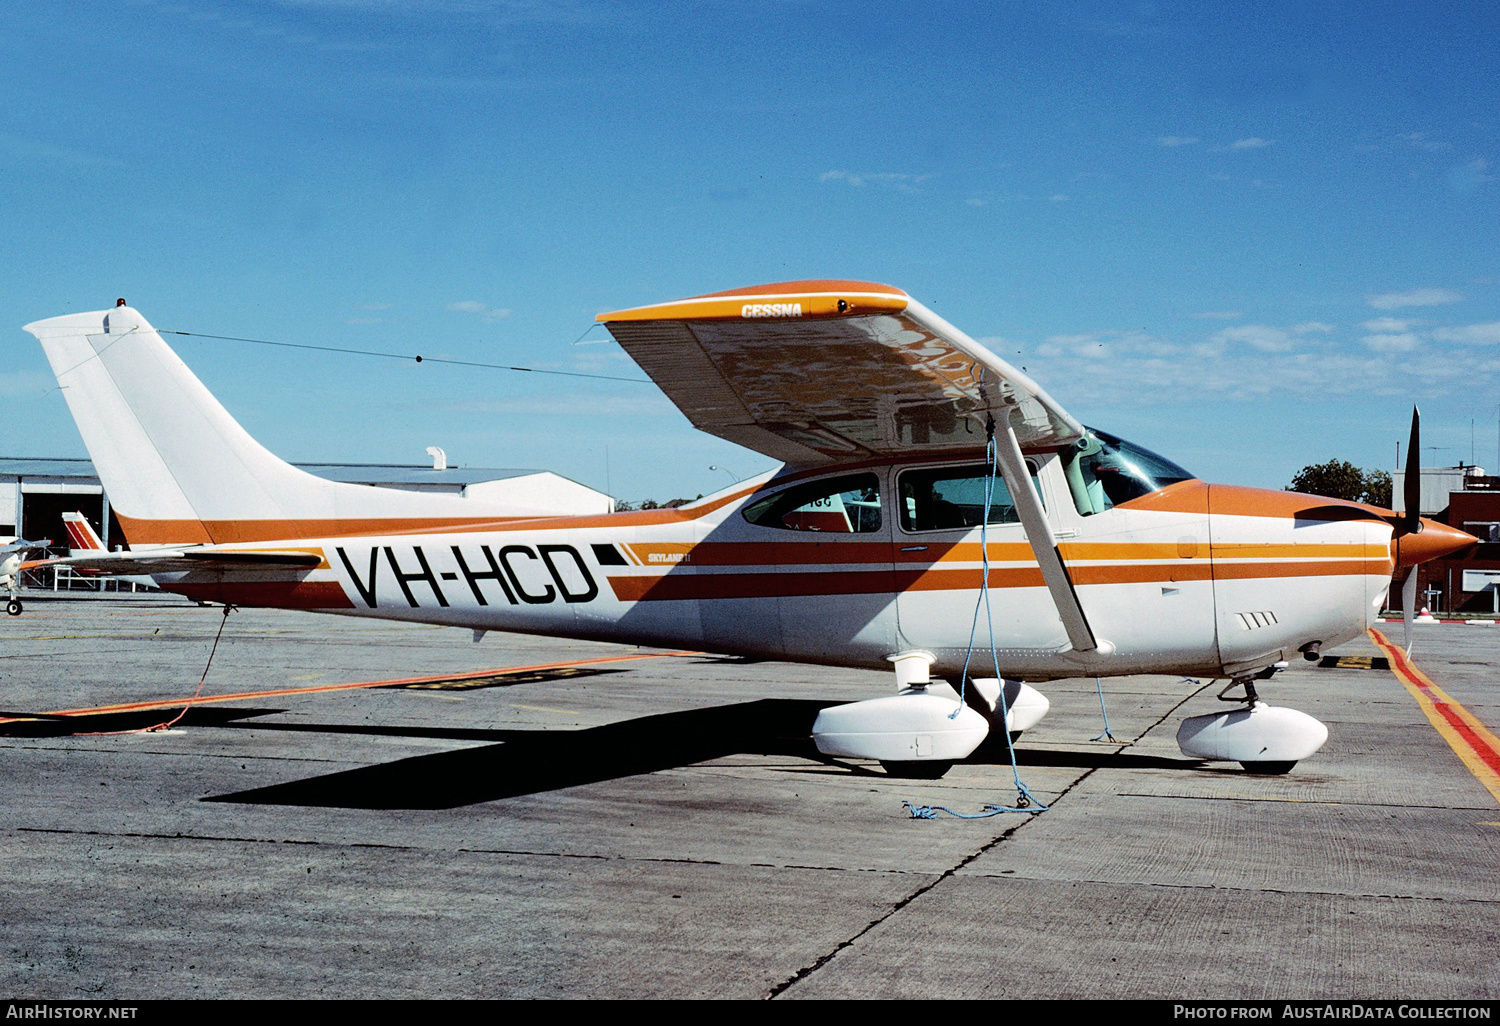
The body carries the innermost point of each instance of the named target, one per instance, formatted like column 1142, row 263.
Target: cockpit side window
column 1103, row 471
column 839, row 505
column 952, row 498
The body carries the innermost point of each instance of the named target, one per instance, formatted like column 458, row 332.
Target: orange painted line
column 170, row 703
column 1470, row 740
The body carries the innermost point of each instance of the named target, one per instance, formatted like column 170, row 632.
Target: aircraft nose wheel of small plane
column 13, row 607
column 924, row 769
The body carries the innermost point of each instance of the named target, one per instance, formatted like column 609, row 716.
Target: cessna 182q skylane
column 864, row 549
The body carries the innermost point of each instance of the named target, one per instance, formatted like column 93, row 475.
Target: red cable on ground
column 167, row 725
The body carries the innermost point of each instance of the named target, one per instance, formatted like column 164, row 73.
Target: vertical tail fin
column 163, row 446
column 82, row 538
column 179, row 469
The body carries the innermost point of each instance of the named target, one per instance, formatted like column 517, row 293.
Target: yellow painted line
column 243, row 696
column 1470, row 740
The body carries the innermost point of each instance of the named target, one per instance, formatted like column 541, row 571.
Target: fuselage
column 846, row 566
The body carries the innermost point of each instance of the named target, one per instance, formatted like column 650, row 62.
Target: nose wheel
column 1266, row 740
column 13, row 607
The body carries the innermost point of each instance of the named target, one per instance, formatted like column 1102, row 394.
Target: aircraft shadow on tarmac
column 524, row 762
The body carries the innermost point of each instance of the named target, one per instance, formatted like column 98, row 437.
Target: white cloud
column 1473, row 334
column 1059, row 197
column 1414, row 297
column 1252, row 143
column 888, row 179
column 1259, row 336
column 1257, row 362
column 1420, row 140
column 1392, row 343
column 474, row 307
column 644, row 405
column 1388, row 324
column 1100, row 366
column 1176, row 140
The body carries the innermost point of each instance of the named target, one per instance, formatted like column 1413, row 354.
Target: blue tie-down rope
column 1025, row 800
column 1107, row 735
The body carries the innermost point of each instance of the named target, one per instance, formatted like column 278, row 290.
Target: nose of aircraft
column 1434, row 541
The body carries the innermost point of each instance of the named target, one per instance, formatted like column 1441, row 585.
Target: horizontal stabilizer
column 166, row 561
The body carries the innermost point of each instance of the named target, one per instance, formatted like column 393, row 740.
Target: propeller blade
column 1409, row 604
column 1411, row 518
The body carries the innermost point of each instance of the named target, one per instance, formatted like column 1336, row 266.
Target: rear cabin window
column 839, row 505
column 952, row 498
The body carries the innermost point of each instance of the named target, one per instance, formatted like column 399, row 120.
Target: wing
column 809, row 372
column 167, row 561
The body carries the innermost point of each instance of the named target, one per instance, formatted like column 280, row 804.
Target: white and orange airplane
column 918, row 469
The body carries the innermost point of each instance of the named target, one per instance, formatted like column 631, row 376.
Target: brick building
column 1468, row 582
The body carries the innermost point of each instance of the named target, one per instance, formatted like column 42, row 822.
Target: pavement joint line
column 1220, row 888
column 7, row 743
column 522, row 852
column 952, row 871
column 1471, row 740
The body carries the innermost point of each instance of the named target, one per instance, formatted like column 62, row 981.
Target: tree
column 1339, row 479
column 1378, row 488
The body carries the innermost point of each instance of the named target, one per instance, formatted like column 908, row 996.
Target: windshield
column 1105, row 470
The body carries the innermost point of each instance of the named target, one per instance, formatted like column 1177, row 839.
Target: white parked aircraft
column 905, row 443
column 12, row 562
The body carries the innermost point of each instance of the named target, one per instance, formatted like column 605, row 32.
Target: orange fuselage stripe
column 877, row 579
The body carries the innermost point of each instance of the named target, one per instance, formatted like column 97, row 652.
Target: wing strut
column 1044, row 543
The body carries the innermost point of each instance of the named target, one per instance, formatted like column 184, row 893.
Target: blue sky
column 1246, row 236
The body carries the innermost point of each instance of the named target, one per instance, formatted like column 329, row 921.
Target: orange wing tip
column 792, row 300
